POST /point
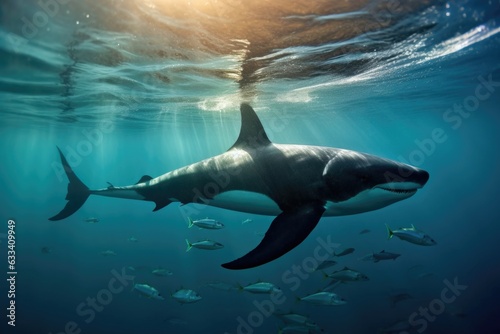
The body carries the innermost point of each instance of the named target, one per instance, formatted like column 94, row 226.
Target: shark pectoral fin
column 287, row 231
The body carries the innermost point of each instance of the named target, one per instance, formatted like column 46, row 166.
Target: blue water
column 127, row 88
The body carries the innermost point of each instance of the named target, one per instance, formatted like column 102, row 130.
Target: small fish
column 411, row 234
column 348, row 275
column 186, row 296
column 397, row 298
column 344, row 252
column 261, row 288
column 206, row 223
column 222, row 286
column 132, row 239
column 204, row 244
column 364, row 231
column 296, row 319
column 162, row 272
column 325, row 264
column 246, row 221
column 92, row 220
column 46, row 250
column 383, row 255
column 148, row 291
column 108, row 253
column 324, row 298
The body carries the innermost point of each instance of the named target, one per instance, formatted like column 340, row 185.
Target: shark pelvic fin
column 161, row 203
column 144, row 178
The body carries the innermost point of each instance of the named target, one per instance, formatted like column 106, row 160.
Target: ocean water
column 127, row 88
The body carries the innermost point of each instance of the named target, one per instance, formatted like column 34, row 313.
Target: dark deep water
column 127, row 88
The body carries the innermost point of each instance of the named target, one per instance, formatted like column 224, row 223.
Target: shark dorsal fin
column 252, row 133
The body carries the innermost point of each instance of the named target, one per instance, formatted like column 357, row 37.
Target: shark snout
column 420, row 176
column 409, row 174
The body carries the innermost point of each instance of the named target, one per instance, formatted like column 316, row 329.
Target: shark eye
column 363, row 177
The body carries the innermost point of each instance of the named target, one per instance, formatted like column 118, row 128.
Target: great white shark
column 296, row 183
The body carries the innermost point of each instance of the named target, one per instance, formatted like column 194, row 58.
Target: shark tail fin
column 77, row 192
column 389, row 232
column 189, row 245
column 190, row 222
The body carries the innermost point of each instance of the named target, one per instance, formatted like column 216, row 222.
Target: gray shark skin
column 296, row 183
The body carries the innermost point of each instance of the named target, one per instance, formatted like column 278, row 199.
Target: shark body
column 296, row 183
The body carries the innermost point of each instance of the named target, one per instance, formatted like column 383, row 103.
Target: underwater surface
column 133, row 88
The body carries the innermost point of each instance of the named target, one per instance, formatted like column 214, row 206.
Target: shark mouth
column 399, row 191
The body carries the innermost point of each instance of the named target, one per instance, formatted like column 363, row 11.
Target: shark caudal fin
column 77, row 192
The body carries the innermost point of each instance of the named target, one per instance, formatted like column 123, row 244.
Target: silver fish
column 148, row 291
column 383, row 255
column 206, row 223
column 186, row 296
column 261, row 288
column 162, row 272
column 344, row 252
column 348, row 275
column 296, row 319
column 411, row 234
column 324, row 298
column 204, row 244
